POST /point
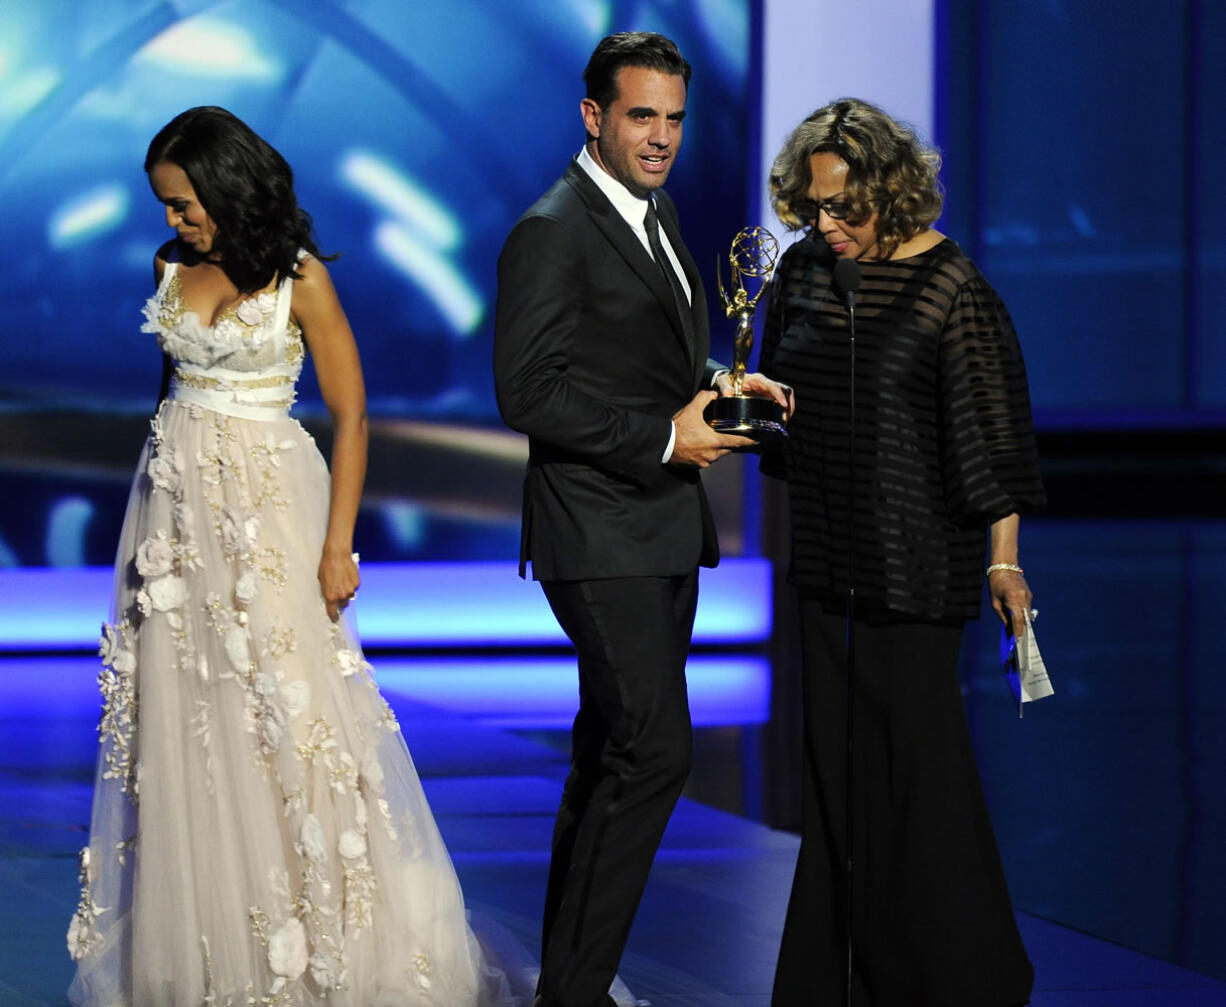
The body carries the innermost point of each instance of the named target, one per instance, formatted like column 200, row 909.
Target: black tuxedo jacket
column 591, row 362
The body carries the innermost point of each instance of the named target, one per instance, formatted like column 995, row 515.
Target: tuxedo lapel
column 618, row 233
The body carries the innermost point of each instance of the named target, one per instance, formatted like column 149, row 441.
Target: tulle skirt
column 259, row 832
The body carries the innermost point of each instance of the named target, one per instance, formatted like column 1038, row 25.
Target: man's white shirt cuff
column 672, row 440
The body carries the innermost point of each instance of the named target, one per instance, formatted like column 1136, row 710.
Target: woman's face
column 183, row 210
column 848, row 240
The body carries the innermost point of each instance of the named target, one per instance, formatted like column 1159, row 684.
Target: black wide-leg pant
column 933, row 925
column 631, row 754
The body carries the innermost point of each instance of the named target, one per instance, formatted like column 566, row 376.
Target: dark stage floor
column 710, row 922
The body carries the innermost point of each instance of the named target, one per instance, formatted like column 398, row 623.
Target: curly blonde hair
column 889, row 171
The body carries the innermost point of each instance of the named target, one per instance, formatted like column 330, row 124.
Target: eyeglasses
column 808, row 209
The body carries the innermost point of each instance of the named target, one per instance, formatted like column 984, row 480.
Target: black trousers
column 631, row 755
column 933, row 924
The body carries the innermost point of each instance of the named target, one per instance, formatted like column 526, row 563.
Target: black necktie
column 652, row 224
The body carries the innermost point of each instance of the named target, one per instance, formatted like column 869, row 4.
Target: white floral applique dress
column 259, row 833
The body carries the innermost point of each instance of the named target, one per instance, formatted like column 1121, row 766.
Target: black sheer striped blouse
column 943, row 444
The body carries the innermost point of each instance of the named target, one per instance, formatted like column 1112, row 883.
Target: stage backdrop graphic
column 418, row 134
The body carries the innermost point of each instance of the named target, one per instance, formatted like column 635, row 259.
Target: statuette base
column 753, row 416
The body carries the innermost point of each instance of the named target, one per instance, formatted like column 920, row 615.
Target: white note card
column 1024, row 668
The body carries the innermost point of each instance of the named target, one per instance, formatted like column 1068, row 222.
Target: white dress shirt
column 633, row 210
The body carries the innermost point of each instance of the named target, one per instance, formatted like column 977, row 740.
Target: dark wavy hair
column 630, row 48
column 246, row 187
column 889, row 171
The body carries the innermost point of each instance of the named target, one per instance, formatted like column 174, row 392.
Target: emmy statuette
column 752, row 256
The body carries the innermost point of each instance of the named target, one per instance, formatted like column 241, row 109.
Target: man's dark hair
column 630, row 48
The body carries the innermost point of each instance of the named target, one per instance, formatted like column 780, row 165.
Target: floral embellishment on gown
column 182, row 335
column 117, row 726
column 83, row 935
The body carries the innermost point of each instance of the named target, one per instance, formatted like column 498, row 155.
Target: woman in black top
column 944, row 459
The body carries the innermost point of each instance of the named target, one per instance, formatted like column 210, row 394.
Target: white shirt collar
column 631, row 207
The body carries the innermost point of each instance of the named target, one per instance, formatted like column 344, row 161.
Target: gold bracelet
column 1003, row 566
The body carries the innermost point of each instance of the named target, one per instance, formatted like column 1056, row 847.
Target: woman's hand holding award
column 753, row 255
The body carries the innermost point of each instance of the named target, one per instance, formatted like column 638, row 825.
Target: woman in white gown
column 259, row 833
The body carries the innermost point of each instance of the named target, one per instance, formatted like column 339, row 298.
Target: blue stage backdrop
column 418, row 133
column 1082, row 148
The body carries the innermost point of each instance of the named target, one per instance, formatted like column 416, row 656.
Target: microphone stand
column 846, row 279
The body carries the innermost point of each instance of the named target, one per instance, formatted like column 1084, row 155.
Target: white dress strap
column 280, row 324
column 285, row 295
column 172, row 267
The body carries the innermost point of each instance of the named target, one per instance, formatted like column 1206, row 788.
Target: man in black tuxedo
column 600, row 356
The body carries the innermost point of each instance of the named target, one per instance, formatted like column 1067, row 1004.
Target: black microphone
column 846, row 280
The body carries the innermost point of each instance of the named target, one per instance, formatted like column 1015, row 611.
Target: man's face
column 639, row 134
